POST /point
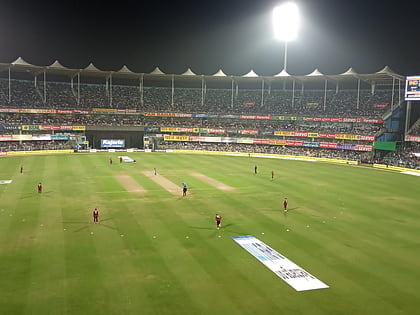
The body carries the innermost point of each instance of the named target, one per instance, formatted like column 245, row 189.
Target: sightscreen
column 112, row 143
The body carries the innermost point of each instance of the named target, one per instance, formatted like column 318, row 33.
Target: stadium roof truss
column 383, row 77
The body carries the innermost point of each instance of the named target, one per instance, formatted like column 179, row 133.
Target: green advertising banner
column 384, row 145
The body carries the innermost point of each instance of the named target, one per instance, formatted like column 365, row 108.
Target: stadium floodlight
column 286, row 22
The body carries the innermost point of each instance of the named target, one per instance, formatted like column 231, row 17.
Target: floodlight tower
column 286, row 22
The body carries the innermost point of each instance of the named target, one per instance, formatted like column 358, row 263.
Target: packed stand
column 266, row 149
column 61, row 95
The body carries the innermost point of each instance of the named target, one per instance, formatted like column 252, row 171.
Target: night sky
column 235, row 35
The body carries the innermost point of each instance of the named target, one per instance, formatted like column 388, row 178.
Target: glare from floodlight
column 286, row 21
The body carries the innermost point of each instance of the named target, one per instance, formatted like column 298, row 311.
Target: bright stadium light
column 286, row 21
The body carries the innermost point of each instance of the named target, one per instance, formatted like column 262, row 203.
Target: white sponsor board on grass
column 411, row 173
column 127, row 159
column 5, row 181
column 295, row 276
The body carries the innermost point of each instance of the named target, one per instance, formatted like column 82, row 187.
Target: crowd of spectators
column 228, row 124
column 34, row 145
column 267, row 149
column 403, row 157
column 60, row 95
column 415, row 129
column 407, row 155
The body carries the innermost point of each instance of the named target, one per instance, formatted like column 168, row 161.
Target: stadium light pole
column 286, row 22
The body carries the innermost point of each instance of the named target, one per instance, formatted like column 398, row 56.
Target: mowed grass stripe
column 146, row 281
column 130, row 184
column 17, row 244
column 10, row 194
column 86, row 292
column 48, row 275
column 149, row 273
column 140, row 286
column 206, row 274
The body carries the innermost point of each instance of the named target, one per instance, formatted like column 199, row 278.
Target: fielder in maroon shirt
column 218, row 221
column 285, row 203
column 95, row 215
column 39, row 188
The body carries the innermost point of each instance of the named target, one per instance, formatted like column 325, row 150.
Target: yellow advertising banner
column 168, row 129
column 345, row 137
column 282, row 133
column 277, row 142
column 176, row 138
column 109, row 110
column 31, row 127
column 79, row 128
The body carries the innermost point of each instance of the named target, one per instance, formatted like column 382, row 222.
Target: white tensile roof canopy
column 383, row 76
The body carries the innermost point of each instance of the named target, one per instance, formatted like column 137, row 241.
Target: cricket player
column 218, row 221
column 184, row 189
column 39, row 188
column 95, row 215
column 285, row 203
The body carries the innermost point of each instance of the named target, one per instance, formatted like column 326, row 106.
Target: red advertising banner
column 160, row 114
column 183, row 115
column 347, row 119
column 2, row 153
column 294, row 143
column 299, row 134
column 183, row 129
column 344, row 119
column 365, row 138
column 37, row 111
column 380, row 105
column 9, row 110
column 5, row 137
column 255, row 117
column 412, row 138
column 249, row 132
column 51, row 127
column 83, row 112
column 73, row 111
column 261, row 141
column 65, row 111
column 328, row 145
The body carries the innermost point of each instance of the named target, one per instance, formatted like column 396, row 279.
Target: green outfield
column 155, row 252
